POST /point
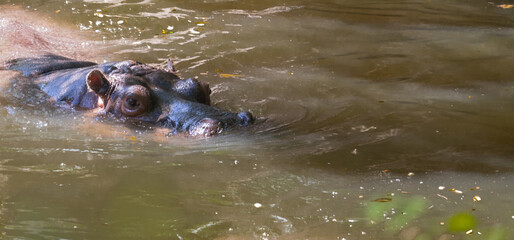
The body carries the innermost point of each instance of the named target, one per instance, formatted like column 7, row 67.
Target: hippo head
column 138, row 92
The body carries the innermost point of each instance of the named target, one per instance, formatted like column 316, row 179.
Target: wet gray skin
column 131, row 91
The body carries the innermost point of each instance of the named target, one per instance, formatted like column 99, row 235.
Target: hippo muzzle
column 197, row 119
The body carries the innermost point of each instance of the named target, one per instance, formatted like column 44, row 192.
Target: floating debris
column 193, row 31
column 442, row 187
column 441, row 196
column 477, row 198
column 257, row 205
column 382, row 200
column 461, row 222
column 505, row 6
column 410, row 174
column 455, row 190
column 164, row 31
column 228, row 75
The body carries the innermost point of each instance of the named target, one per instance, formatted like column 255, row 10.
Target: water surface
column 377, row 120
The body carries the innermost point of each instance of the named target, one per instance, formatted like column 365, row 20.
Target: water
column 377, row 120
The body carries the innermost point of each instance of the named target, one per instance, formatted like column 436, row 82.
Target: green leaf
column 461, row 222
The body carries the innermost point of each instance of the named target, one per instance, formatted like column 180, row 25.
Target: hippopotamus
column 130, row 91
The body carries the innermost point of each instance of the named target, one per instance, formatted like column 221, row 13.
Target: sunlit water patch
column 375, row 120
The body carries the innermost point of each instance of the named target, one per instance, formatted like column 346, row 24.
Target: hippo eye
column 132, row 103
column 136, row 102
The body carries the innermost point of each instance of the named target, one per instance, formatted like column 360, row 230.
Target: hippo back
column 44, row 64
column 63, row 79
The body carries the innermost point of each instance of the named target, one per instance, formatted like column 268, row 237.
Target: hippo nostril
column 206, row 127
column 245, row 118
column 166, row 122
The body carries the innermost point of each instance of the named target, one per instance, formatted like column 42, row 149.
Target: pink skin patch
column 100, row 103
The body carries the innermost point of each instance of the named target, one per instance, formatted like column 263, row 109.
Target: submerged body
column 130, row 91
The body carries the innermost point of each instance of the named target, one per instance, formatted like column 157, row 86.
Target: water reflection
column 369, row 114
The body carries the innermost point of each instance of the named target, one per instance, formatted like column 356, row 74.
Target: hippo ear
column 97, row 82
column 171, row 66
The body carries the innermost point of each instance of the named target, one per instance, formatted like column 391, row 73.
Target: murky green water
column 378, row 120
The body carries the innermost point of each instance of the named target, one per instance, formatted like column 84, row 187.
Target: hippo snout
column 206, row 127
column 209, row 126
